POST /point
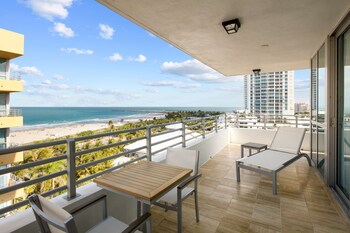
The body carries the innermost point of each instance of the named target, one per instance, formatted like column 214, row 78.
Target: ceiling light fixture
column 256, row 72
column 231, row 26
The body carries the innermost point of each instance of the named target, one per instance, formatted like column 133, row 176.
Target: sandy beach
column 20, row 137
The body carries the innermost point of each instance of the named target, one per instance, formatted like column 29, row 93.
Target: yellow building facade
column 11, row 46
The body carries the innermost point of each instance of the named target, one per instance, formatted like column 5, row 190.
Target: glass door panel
column 314, row 109
column 321, row 108
column 343, row 155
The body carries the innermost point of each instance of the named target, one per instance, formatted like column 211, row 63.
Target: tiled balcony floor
column 303, row 204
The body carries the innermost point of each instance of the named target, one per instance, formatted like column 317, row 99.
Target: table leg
column 138, row 209
column 179, row 211
column 147, row 208
column 242, row 151
column 250, row 151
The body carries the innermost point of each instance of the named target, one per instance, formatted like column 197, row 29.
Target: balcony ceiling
column 293, row 30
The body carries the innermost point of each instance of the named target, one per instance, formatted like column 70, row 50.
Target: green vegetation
column 48, row 152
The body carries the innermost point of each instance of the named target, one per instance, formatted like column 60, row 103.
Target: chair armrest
column 188, row 181
column 137, row 223
column 93, row 201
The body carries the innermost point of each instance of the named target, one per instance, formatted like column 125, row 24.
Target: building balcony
column 304, row 203
column 11, row 118
column 14, row 84
column 12, row 44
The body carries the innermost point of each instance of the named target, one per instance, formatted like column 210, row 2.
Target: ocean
column 41, row 117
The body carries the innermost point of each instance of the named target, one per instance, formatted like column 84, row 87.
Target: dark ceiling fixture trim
column 231, row 26
column 256, row 72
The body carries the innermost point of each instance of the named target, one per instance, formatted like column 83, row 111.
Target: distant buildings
column 11, row 46
column 269, row 93
column 301, row 107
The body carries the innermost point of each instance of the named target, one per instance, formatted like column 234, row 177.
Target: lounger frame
column 271, row 173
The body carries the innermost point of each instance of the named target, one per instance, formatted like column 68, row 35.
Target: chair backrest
column 50, row 217
column 288, row 139
column 183, row 158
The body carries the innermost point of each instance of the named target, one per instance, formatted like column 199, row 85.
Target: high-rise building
column 269, row 93
column 301, row 107
column 11, row 46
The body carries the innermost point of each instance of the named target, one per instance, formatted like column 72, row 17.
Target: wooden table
column 252, row 145
column 145, row 181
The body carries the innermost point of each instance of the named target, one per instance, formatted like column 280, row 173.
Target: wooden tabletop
column 145, row 180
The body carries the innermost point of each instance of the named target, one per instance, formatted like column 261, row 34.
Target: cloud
column 231, row 89
column 106, row 32
column 197, row 71
column 26, row 70
column 63, row 30
column 49, row 9
column 46, row 82
column 59, row 77
column 175, row 84
column 115, row 57
column 77, row 51
column 139, row 58
column 151, row 90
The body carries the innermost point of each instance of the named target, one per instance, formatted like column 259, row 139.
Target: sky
column 80, row 53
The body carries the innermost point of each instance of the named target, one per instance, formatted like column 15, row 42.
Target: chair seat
column 110, row 225
column 171, row 196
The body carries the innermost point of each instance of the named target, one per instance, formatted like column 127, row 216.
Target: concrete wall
column 211, row 145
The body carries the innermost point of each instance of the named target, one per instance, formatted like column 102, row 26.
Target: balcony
column 12, row 45
column 14, row 84
column 303, row 203
column 11, row 118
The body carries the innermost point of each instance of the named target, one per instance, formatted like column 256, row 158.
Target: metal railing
column 11, row 113
column 268, row 121
column 72, row 152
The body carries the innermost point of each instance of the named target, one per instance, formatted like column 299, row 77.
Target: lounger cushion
column 269, row 159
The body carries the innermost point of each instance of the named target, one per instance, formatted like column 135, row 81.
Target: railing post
column 203, row 128
column 149, row 142
column 296, row 121
column 264, row 119
column 225, row 121
column 183, row 134
column 71, row 170
column 216, row 124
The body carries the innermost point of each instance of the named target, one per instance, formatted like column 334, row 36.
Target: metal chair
column 53, row 219
column 170, row 201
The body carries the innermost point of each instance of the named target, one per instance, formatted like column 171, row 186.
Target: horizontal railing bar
column 109, row 134
column 25, row 202
column 155, row 152
column 82, row 180
column 209, row 122
column 166, row 140
column 78, row 153
column 30, row 182
column 191, row 126
column 166, row 132
column 32, row 164
column 165, row 124
column 85, row 165
column 31, row 147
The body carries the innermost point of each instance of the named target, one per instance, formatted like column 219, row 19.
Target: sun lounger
column 284, row 150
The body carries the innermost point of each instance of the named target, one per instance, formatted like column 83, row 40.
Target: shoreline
column 19, row 137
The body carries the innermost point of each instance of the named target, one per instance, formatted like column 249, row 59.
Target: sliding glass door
column 343, row 126
column 318, row 110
